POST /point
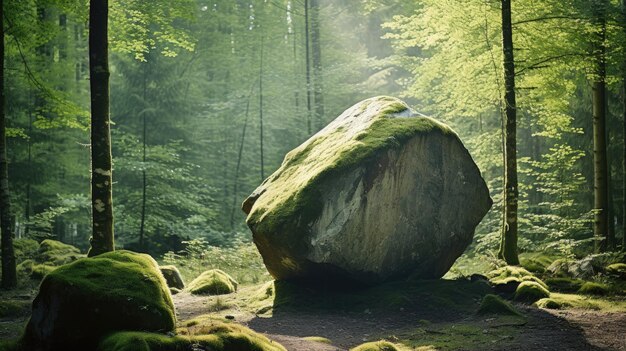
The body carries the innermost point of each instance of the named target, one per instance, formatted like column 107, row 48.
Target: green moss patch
column 548, row 303
column 507, row 279
column 56, row 253
column 476, row 335
column 564, row 284
column 591, row 288
column 493, row 304
column 376, row 346
column 530, row 292
column 616, row 269
column 213, row 282
column 203, row 333
column 536, row 262
column 589, row 302
column 321, row 339
column 11, row 308
column 25, row 249
column 80, row 302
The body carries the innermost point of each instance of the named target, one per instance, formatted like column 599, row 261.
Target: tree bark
column 508, row 243
column 261, row 111
column 101, row 163
column 600, row 165
column 307, row 60
column 316, row 56
column 9, row 274
column 144, row 183
column 624, row 129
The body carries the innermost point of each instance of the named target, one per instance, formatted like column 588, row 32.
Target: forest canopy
column 208, row 97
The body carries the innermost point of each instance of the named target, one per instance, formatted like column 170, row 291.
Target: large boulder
column 83, row 301
column 380, row 193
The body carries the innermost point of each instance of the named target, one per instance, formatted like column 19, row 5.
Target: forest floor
column 423, row 322
column 439, row 315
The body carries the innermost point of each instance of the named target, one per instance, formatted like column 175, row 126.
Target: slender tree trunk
column 101, row 163
column 307, row 60
column 316, row 48
column 9, row 274
column 144, row 183
column 261, row 110
column 600, row 165
column 624, row 129
column 239, row 156
column 508, row 244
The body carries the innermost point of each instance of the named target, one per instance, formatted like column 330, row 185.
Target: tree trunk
column 101, row 179
column 261, row 110
column 144, row 184
column 624, row 129
column 600, row 166
column 9, row 274
column 316, row 57
column 307, row 61
column 508, row 244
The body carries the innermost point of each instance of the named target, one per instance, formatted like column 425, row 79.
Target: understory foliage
column 208, row 97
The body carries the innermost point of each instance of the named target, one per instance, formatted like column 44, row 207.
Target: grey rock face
column 380, row 193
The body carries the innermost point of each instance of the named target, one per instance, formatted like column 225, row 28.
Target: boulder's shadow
column 350, row 315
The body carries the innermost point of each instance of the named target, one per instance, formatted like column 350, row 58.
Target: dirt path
column 543, row 330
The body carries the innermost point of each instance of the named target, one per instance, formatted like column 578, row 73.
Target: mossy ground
column 495, row 305
column 377, row 346
column 201, row 333
column 213, row 282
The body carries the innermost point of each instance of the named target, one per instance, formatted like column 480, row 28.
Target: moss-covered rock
column 83, row 301
column 564, row 284
column 25, row 249
column 493, row 304
column 548, row 303
column 172, row 277
column 320, row 339
column 616, row 269
column 202, row 333
column 55, row 253
column 536, row 262
column 376, row 346
column 38, row 271
column 349, row 190
column 530, row 292
column 592, row 288
column 507, row 279
column 213, row 282
column 218, row 336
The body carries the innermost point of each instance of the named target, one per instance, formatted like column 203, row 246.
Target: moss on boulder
column 56, row 253
column 616, row 269
column 493, row 304
column 530, row 291
column 536, row 262
column 376, row 346
column 83, row 301
column 213, row 282
column 592, row 288
column 350, row 188
column 508, row 278
column 203, row 333
column 172, row 277
column 564, row 284
column 548, row 303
